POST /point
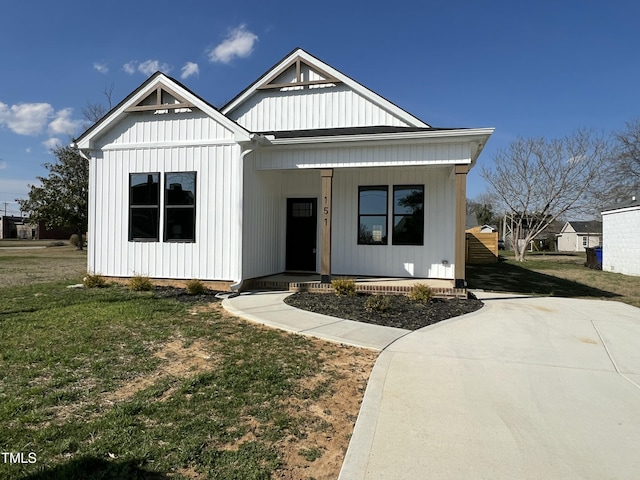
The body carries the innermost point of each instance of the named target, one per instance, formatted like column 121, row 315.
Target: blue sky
column 528, row 69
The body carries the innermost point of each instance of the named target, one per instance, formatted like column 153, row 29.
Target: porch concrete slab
column 384, row 281
column 268, row 308
column 524, row 388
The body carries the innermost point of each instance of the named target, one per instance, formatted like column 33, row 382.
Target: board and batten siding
column 214, row 254
column 426, row 261
column 265, row 215
column 145, row 128
column 265, row 221
column 390, row 155
column 311, row 108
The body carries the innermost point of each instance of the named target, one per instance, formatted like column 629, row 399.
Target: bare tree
column 536, row 181
column 623, row 169
column 93, row 112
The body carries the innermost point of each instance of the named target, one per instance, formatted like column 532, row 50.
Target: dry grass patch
column 29, row 266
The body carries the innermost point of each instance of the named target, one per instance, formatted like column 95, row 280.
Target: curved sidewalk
column 268, row 308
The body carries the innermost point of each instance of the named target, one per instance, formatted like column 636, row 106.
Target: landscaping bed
column 401, row 312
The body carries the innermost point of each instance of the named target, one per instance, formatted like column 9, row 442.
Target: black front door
column 301, row 234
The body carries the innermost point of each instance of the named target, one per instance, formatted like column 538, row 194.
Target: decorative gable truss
column 162, row 100
column 303, row 93
column 160, row 95
column 298, row 74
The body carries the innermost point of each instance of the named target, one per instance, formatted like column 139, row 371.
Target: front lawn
column 562, row 275
column 108, row 383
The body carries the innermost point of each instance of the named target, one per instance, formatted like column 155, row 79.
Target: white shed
column 305, row 170
column 621, row 238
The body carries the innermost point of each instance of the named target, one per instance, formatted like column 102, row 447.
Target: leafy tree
column 63, row 197
column 483, row 209
column 536, row 181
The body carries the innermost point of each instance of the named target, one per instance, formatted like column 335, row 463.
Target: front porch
column 379, row 285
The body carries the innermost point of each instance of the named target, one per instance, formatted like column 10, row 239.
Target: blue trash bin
column 598, row 251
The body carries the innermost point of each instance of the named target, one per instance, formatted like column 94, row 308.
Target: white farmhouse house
column 306, row 170
column 621, row 238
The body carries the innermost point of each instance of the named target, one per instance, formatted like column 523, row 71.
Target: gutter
column 447, row 135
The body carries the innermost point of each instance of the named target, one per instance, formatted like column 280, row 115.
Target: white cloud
column 63, row 124
column 3, row 164
column 28, row 150
column 52, row 143
column 239, row 43
column 148, row 67
column 101, row 67
column 26, row 118
column 130, row 67
column 189, row 69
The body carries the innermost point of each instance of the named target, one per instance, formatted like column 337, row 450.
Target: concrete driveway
column 526, row 388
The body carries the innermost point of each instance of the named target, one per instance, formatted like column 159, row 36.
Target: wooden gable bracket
column 158, row 105
column 298, row 82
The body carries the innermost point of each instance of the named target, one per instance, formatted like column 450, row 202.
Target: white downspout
column 255, row 143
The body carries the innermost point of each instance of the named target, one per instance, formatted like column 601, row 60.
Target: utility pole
column 5, row 208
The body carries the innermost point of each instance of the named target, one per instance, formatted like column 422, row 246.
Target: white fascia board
column 240, row 133
column 621, row 210
column 466, row 135
column 357, row 87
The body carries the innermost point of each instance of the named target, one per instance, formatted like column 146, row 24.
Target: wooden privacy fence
column 482, row 247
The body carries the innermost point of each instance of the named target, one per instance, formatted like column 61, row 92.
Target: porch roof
column 368, row 130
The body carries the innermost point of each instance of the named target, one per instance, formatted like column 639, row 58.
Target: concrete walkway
column 268, row 308
column 525, row 388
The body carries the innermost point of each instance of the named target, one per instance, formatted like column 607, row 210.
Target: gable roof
column 158, row 92
column 282, row 74
column 592, row 227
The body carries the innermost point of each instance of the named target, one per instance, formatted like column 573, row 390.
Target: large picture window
column 408, row 215
column 372, row 215
column 144, row 206
column 180, row 206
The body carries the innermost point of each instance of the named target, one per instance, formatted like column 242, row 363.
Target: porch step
column 318, row 287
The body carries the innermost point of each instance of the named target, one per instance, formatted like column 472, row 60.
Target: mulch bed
column 181, row 295
column 403, row 313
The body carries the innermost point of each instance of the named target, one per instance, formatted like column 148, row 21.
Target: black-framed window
column 180, row 206
column 408, row 215
column 144, row 206
column 372, row 215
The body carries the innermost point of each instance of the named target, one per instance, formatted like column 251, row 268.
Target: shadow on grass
column 96, row 468
column 507, row 277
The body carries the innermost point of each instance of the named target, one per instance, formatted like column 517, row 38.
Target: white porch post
column 325, row 209
column 460, row 234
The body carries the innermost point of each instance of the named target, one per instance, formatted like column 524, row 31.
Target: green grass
column 560, row 275
column 68, row 354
